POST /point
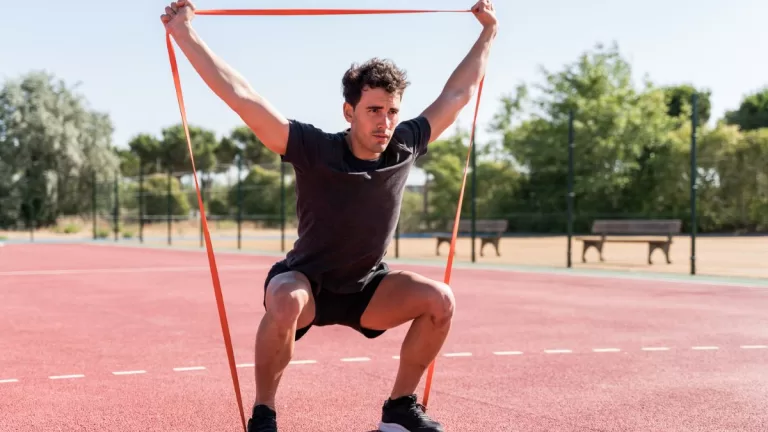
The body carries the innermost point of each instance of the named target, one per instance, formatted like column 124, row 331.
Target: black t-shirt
column 347, row 208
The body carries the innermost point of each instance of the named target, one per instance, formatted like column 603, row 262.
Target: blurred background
column 599, row 121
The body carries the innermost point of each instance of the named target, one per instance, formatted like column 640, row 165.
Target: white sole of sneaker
column 390, row 427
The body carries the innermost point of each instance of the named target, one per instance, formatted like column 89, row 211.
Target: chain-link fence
column 564, row 194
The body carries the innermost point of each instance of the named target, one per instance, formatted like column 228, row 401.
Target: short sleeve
column 304, row 144
column 415, row 133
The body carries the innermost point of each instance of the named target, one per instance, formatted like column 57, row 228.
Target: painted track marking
column 126, row 270
column 8, row 381
column 558, row 351
column 507, row 353
column 655, row 349
column 355, row 359
column 189, row 368
column 458, row 354
column 303, row 362
column 58, row 377
column 135, row 372
column 606, row 350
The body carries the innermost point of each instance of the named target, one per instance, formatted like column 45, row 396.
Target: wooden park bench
column 489, row 231
column 622, row 229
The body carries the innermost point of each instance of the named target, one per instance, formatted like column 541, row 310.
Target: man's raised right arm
column 267, row 123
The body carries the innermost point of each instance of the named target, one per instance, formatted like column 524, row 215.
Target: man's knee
column 442, row 303
column 286, row 297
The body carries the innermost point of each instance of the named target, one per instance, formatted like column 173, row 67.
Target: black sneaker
column 405, row 415
column 263, row 419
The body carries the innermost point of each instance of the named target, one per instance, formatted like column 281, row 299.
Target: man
column 349, row 190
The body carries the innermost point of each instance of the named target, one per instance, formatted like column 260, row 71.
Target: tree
column 752, row 113
column 51, row 145
column 623, row 141
column 242, row 141
column 678, row 99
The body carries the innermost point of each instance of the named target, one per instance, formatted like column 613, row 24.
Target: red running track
column 93, row 336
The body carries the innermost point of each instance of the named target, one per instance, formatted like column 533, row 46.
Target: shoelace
column 420, row 412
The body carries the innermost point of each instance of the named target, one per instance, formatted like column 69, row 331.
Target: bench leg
column 437, row 249
column 493, row 242
column 597, row 244
column 663, row 246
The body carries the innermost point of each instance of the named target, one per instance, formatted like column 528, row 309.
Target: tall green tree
column 626, row 160
column 678, row 99
column 752, row 113
column 51, row 145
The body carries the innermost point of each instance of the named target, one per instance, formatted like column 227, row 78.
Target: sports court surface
column 106, row 337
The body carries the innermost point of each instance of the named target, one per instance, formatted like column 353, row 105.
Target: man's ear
column 348, row 112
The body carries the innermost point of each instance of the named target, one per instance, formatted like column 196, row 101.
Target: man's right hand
column 178, row 15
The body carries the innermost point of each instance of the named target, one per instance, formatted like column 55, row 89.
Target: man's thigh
column 403, row 296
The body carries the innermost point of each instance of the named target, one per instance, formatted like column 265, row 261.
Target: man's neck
column 358, row 150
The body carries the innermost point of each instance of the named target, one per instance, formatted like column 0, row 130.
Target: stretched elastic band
column 204, row 219
column 315, row 12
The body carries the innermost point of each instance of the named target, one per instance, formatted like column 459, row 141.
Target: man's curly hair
column 375, row 73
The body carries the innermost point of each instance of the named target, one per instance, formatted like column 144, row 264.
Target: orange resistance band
column 207, row 236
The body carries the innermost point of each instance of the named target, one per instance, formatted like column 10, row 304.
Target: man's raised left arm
column 465, row 80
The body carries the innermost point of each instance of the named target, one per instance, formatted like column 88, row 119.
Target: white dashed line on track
column 58, row 377
column 397, row 357
column 507, row 353
column 458, row 354
column 558, row 351
column 189, row 368
column 124, row 270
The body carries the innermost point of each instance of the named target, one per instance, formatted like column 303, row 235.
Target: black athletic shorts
column 337, row 309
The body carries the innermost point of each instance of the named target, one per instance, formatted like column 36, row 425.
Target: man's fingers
column 169, row 11
column 165, row 18
column 175, row 7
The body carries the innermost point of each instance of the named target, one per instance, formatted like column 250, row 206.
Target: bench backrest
column 647, row 227
column 498, row 226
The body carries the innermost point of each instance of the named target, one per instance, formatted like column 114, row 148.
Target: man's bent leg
column 289, row 305
column 407, row 296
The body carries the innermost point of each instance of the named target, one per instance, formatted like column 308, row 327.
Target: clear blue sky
column 117, row 51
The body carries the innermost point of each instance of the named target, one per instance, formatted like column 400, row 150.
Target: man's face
column 374, row 119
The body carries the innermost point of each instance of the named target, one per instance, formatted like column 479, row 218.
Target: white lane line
column 303, row 362
column 245, row 365
column 396, row 357
column 355, row 359
column 190, row 368
column 606, row 350
column 135, row 372
column 655, row 349
column 125, row 270
column 57, row 377
column 558, row 351
column 507, row 353
column 458, row 354
column 705, row 348
column 8, row 381
column 754, row 347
